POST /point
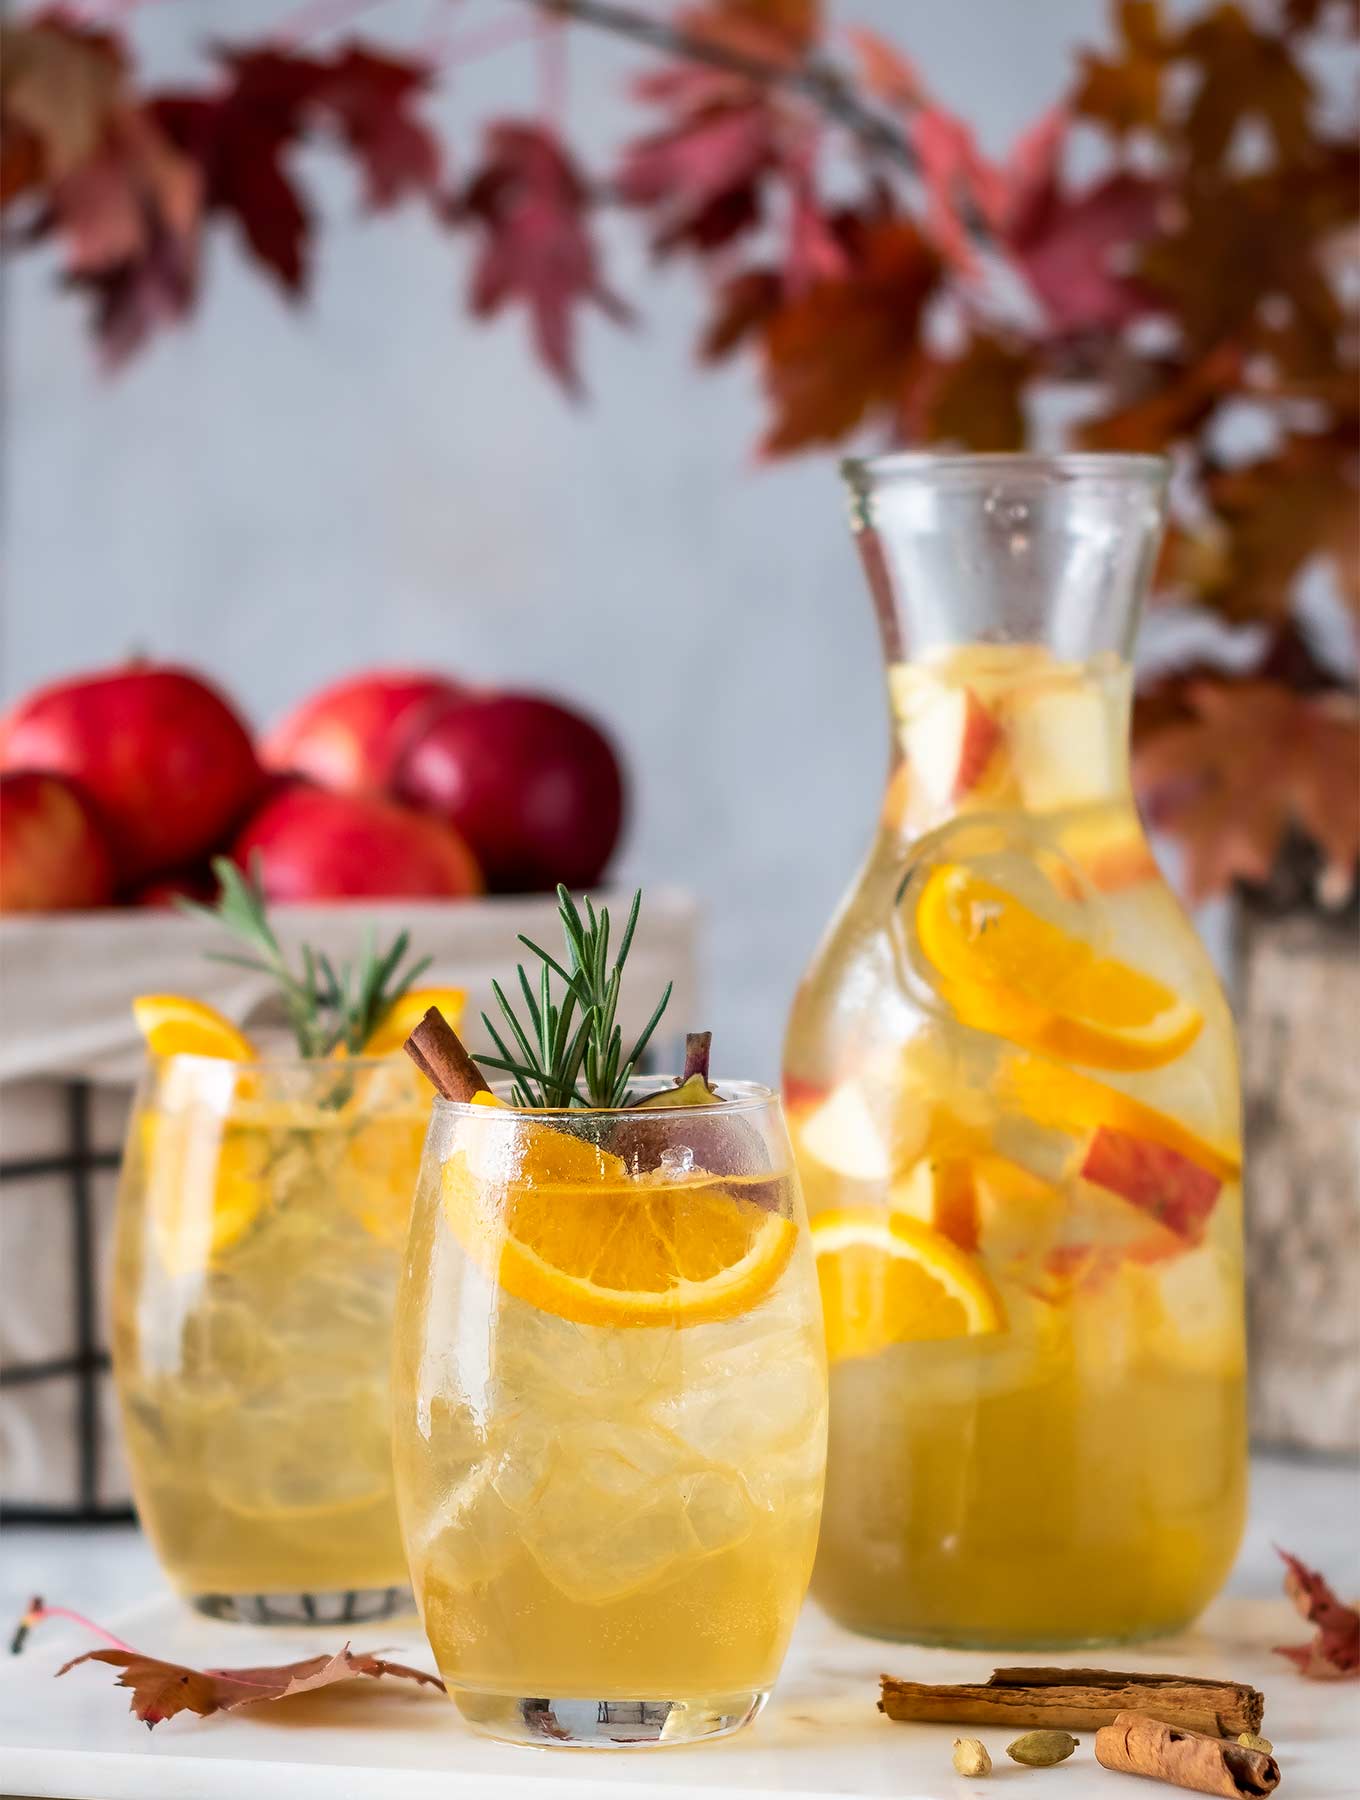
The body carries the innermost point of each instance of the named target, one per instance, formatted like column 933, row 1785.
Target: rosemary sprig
column 554, row 1050
column 326, row 1006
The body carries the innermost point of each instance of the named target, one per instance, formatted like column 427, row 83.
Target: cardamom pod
column 1254, row 1741
column 970, row 1757
column 1041, row 1749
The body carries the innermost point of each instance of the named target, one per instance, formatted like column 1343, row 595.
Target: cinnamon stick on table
column 1078, row 1700
column 1138, row 1745
column 437, row 1051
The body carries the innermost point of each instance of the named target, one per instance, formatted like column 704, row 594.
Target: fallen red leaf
column 162, row 1689
column 1333, row 1652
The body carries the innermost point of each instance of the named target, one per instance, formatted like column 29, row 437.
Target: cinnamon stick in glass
column 1138, row 1745
column 1078, row 1700
column 437, row 1051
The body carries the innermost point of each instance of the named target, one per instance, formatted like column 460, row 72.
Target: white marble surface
column 820, row 1737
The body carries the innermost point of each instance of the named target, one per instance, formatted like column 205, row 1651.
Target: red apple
column 310, row 844
column 351, row 735
column 1179, row 1193
column 163, row 757
column 533, row 787
column 54, row 856
column 950, row 741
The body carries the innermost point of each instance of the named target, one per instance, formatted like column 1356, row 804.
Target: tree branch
column 814, row 80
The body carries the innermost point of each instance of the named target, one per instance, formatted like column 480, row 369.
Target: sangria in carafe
column 1012, row 1087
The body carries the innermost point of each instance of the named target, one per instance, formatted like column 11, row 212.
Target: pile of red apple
column 119, row 788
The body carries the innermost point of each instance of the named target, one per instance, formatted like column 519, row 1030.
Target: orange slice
column 888, row 1279
column 176, row 1026
column 575, row 1237
column 402, row 1017
column 1008, row 971
column 198, row 1208
column 1063, row 1100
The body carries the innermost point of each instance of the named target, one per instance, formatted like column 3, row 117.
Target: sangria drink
column 1013, row 1093
column 263, row 1212
column 610, row 1381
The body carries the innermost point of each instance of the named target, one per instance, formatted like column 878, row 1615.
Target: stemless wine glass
column 610, row 1414
column 262, row 1215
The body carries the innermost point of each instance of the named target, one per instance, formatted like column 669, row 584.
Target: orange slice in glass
column 573, row 1235
column 888, row 1279
column 174, row 1025
column 1008, row 971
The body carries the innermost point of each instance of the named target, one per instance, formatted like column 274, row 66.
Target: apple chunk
column 1177, row 1192
column 1060, row 744
column 939, row 1191
column 950, row 738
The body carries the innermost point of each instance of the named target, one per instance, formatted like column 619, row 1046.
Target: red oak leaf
column 1333, row 1653
column 240, row 137
column 1076, row 251
column 368, row 97
column 702, row 178
column 532, row 205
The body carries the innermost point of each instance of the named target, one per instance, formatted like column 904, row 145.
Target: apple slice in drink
column 939, row 1191
column 1175, row 1191
column 1061, row 745
column 951, row 740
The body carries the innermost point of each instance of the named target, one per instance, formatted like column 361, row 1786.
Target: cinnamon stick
column 1078, row 1700
column 437, row 1051
column 1138, row 1745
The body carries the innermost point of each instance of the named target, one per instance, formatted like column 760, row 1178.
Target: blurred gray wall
column 281, row 495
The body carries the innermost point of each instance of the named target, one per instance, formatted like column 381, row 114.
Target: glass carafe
column 1012, row 1087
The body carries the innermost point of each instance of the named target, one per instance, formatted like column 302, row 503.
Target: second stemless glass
column 262, row 1214
column 610, row 1395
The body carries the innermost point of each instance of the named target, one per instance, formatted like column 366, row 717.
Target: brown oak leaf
column 1237, row 765
column 162, row 1689
column 1124, row 92
column 976, row 400
column 1333, row 1652
column 1245, row 73
column 532, row 205
column 842, row 353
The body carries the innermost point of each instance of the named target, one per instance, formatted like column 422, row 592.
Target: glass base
column 1009, row 1643
column 607, row 1724
column 343, row 1606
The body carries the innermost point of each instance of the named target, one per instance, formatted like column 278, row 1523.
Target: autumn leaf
column 1333, row 1652
column 60, row 86
column 975, row 400
column 368, row 98
column 885, row 71
column 162, row 1689
column 841, row 354
column 532, row 205
column 1245, row 73
column 1245, row 763
column 1171, row 400
column 1124, row 92
column 1278, row 515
